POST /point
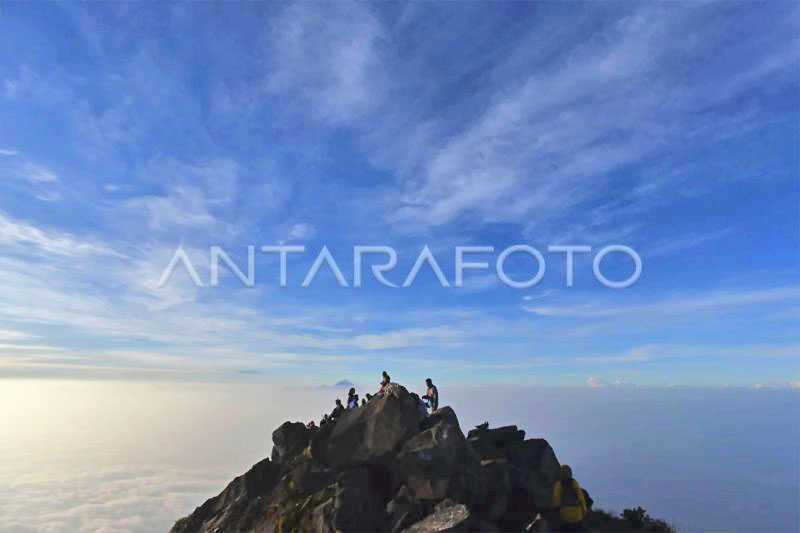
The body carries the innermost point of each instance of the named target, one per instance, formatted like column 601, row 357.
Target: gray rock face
column 289, row 439
column 239, row 507
column 358, row 505
column 438, row 463
column 450, row 516
column 519, row 474
column 537, row 469
column 369, row 434
column 403, row 510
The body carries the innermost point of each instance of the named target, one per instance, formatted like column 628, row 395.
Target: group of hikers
column 429, row 401
column 570, row 503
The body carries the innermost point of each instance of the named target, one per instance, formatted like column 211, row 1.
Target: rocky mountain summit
column 387, row 467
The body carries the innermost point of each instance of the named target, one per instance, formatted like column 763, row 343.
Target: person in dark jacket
column 352, row 398
column 337, row 411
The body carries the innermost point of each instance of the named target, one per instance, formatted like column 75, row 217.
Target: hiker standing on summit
column 384, row 382
column 352, row 398
column 432, row 395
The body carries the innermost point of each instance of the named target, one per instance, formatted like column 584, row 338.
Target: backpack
column 569, row 496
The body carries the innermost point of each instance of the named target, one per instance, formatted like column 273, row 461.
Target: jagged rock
column 449, row 516
column 437, row 463
column 289, row 439
column 491, row 443
column 237, row 508
column 536, row 469
column 368, row 434
column 313, row 512
column 519, row 473
column 384, row 467
column 534, row 464
column 403, row 510
column 308, row 477
column 321, row 518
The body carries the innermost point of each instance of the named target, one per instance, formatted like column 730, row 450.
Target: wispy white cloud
column 302, row 230
column 38, row 174
column 405, row 338
column 195, row 195
column 19, row 233
column 708, row 301
column 530, row 158
column 328, row 56
column 14, row 335
column 543, row 131
column 4, row 347
column 596, row 383
column 544, row 294
column 33, row 178
column 479, row 283
column 685, row 242
column 180, row 207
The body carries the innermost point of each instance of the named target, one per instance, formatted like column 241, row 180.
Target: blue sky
column 127, row 130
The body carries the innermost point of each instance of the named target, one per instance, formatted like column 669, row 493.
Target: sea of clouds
column 114, row 456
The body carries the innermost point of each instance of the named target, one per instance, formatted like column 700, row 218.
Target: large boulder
column 307, row 477
column 491, row 444
column 537, row 469
column 289, row 439
column 518, row 474
column 369, row 434
column 436, row 463
column 533, row 464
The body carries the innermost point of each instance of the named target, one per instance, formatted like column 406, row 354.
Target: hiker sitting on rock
column 432, row 395
column 569, row 501
column 325, row 420
column 337, row 411
column 352, row 399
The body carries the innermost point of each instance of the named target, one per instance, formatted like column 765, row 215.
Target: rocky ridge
column 387, row 467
